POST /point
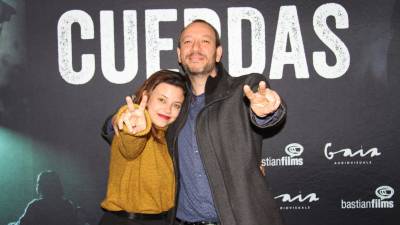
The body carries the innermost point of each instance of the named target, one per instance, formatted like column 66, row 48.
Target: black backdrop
column 335, row 160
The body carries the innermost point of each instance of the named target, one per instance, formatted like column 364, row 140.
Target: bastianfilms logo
column 293, row 151
column 383, row 193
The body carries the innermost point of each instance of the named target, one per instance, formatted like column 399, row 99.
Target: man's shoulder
column 250, row 79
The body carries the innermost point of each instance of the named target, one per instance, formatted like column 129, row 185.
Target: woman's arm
column 130, row 144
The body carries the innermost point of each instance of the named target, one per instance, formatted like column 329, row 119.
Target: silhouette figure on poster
column 6, row 11
column 50, row 208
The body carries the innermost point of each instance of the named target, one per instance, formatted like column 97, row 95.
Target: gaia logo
column 293, row 151
column 298, row 202
column 347, row 156
column 383, row 193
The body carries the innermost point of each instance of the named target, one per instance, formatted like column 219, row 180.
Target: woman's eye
column 177, row 106
column 161, row 100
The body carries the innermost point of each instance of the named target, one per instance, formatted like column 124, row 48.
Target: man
column 215, row 142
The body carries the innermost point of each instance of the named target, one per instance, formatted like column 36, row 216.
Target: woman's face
column 164, row 104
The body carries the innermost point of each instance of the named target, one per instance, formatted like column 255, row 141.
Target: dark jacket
column 230, row 145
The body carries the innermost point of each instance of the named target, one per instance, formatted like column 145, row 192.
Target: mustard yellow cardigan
column 141, row 175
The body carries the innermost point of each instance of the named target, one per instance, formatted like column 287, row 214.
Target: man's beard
column 206, row 70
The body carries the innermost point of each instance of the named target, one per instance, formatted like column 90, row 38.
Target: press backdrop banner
column 66, row 65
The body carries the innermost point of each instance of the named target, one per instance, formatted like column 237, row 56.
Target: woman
column 141, row 183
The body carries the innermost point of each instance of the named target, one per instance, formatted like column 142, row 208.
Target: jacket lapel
column 217, row 87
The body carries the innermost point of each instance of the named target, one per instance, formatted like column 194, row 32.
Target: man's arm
column 271, row 119
column 266, row 106
column 107, row 131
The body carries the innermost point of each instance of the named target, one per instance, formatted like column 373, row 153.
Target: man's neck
column 199, row 82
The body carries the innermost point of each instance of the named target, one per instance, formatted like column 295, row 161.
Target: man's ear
column 218, row 54
column 178, row 53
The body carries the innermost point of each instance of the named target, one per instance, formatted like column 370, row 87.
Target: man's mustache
column 195, row 53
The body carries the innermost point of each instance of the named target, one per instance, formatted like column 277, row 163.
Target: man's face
column 198, row 52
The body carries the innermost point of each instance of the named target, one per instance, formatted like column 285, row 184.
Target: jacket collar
column 217, row 87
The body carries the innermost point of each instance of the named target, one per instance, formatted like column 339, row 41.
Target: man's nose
column 196, row 46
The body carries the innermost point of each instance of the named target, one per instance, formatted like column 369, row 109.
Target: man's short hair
column 217, row 39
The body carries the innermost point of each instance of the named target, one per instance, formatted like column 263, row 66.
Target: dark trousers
column 112, row 219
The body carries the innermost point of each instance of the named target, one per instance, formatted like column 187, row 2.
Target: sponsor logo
column 347, row 156
column 384, row 194
column 293, row 151
column 297, row 202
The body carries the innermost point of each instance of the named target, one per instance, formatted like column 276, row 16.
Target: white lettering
column 256, row 19
column 288, row 29
column 154, row 44
column 64, row 34
column 331, row 40
column 349, row 153
column 208, row 15
column 288, row 45
column 287, row 198
column 108, row 47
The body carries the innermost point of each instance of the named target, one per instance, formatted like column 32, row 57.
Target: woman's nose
column 168, row 109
